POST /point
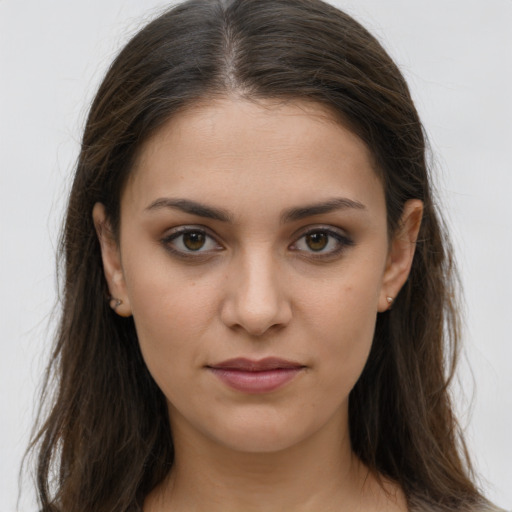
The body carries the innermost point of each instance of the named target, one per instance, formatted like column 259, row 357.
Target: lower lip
column 256, row 382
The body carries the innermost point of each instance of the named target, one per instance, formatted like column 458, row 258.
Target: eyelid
column 343, row 240
column 175, row 233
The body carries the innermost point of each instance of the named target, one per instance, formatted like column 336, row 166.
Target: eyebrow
column 192, row 207
column 290, row 215
column 331, row 205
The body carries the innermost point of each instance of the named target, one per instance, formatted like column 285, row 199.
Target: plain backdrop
column 456, row 56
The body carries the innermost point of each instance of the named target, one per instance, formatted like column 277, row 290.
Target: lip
column 256, row 376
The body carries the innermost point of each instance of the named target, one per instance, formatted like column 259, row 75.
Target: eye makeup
column 322, row 243
column 196, row 243
column 192, row 243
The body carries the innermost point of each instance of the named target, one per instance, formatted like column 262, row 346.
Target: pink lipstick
column 251, row 376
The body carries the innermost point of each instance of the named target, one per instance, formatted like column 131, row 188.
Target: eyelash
column 189, row 254
column 342, row 243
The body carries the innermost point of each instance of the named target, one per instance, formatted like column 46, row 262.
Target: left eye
column 321, row 241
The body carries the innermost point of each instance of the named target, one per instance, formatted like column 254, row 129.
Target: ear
column 401, row 253
column 111, row 262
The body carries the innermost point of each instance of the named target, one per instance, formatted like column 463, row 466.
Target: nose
column 255, row 300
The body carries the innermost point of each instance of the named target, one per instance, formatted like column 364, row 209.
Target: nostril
column 256, row 320
column 254, row 299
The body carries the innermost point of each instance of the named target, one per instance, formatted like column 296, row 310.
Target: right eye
column 190, row 242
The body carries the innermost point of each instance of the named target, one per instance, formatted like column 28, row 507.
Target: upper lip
column 251, row 365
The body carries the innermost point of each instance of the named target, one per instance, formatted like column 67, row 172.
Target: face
column 254, row 257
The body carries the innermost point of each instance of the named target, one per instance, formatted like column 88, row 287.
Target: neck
column 320, row 473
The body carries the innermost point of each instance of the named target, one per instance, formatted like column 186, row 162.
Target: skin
column 258, row 287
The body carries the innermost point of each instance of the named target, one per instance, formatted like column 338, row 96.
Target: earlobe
column 401, row 253
column 112, row 267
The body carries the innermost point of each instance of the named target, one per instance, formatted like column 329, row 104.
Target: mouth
column 251, row 376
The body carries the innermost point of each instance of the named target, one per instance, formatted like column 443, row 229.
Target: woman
column 258, row 310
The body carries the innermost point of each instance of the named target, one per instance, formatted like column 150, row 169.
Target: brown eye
column 194, row 240
column 317, row 241
column 323, row 243
column 191, row 243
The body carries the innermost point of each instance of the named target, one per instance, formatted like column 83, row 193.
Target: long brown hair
column 106, row 442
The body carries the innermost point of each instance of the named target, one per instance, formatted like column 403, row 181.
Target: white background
column 457, row 57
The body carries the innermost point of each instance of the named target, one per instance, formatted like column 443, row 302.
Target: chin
column 261, row 440
column 263, row 431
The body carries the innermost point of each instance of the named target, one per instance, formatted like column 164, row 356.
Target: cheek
column 163, row 295
column 171, row 314
column 170, row 333
column 341, row 317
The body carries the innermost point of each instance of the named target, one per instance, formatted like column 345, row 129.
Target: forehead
column 234, row 151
